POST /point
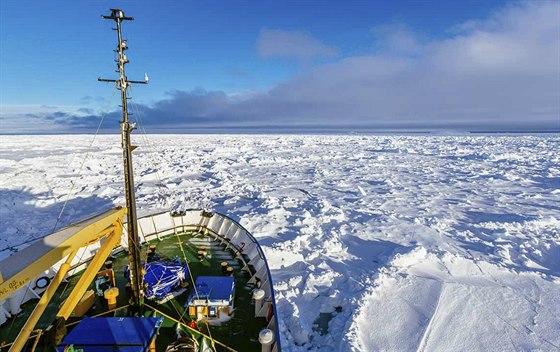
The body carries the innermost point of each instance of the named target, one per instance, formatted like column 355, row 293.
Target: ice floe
column 392, row 243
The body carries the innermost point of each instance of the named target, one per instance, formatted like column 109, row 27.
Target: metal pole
column 132, row 227
column 135, row 267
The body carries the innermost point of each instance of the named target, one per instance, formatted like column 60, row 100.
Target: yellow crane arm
column 89, row 274
column 19, row 269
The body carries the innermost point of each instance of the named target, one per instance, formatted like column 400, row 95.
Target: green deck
column 240, row 333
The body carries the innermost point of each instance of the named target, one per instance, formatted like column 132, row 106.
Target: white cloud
column 502, row 72
column 499, row 73
column 397, row 38
column 292, row 45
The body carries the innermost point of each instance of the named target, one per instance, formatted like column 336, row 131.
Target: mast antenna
column 135, row 266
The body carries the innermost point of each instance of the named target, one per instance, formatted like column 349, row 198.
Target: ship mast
column 136, row 277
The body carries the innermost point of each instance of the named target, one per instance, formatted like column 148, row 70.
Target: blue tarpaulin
column 112, row 334
column 162, row 277
column 214, row 288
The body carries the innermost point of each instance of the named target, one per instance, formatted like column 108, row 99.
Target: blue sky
column 296, row 64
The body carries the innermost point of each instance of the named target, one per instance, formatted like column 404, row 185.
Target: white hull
column 158, row 226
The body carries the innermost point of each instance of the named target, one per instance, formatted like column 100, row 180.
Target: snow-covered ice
column 396, row 243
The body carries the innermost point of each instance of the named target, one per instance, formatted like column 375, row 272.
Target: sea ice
column 398, row 243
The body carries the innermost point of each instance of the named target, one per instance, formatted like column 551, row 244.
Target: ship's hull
column 181, row 235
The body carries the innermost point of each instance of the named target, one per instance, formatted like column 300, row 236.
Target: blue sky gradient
column 289, row 64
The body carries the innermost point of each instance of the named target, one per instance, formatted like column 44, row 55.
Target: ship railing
column 163, row 224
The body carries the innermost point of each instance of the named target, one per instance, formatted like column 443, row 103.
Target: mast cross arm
column 117, row 15
column 121, row 18
column 106, row 80
column 116, row 80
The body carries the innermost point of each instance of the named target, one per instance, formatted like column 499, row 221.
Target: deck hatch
column 112, row 334
column 215, row 289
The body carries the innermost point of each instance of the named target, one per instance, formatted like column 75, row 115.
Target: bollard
column 111, row 295
column 258, row 296
column 266, row 338
column 14, row 302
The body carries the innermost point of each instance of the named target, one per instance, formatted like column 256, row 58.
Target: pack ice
column 375, row 243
